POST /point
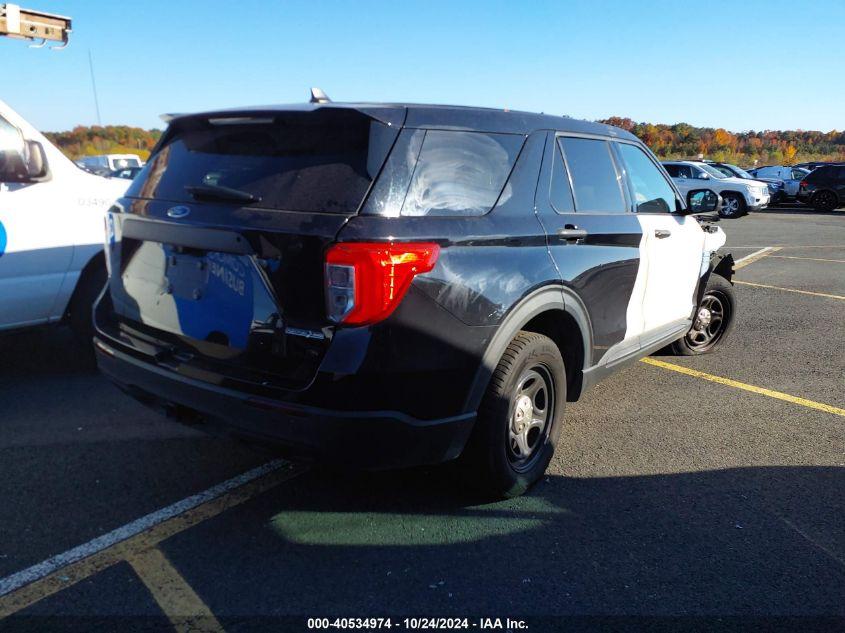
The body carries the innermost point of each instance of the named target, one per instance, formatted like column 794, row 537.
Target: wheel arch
column 97, row 262
column 556, row 312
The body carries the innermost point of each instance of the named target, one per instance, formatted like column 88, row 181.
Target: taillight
column 803, row 184
column 365, row 281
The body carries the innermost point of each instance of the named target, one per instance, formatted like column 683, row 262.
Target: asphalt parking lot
column 708, row 487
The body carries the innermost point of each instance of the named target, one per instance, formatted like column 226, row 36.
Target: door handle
column 570, row 232
column 662, row 233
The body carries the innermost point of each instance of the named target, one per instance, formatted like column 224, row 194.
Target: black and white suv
column 398, row 284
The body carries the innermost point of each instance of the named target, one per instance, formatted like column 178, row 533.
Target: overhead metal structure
column 33, row 25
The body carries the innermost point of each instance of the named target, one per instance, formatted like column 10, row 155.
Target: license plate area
column 186, row 276
column 213, row 301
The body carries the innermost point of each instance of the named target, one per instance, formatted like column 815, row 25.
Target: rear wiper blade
column 219, row 192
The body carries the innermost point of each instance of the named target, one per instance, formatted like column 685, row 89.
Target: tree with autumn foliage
column 111, row 139
column 742, row 148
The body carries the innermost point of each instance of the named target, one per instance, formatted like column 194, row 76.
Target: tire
column 506, row 454
column 702, row 337
column 82, row 302
column 733, row 205
column 825, row 201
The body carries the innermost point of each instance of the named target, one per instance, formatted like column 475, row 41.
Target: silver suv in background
column 739, row 196
column 791, row 177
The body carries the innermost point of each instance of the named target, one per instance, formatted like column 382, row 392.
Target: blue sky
column 740, row 65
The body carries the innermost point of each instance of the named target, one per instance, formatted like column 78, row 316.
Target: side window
column 797, row 174
column 652, row 192
column 682, row 171
column 461, row 173
column 672, row 170
column 560, row 193
column 594, row 176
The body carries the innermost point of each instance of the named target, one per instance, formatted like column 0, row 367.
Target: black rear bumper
column 365, row 439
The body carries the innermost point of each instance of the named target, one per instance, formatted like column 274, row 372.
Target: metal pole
column 94, row 86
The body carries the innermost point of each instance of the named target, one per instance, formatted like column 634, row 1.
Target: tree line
column 769, row 147
column 681, row 140
column 109, row 139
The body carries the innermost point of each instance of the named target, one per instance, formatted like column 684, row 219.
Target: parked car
column 51, row 226
column 390, row 285
column 127, row 173
column 791, row 177
column 816, row 164
column 107, row 163
column 776, row 186
column 739, row 196
column 824, row 188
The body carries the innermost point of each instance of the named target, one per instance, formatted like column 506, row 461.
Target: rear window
column 826, row 172
column 321, row 162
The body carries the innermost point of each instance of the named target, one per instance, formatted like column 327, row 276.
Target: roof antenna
column 318, row 96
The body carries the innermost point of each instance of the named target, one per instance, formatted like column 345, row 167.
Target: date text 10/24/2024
column 372, row 624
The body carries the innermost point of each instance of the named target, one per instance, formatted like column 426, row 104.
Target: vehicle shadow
column 43, row 351
column 762, row 542
column 797, row 209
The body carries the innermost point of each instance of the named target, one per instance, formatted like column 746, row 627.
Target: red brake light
column 803, row 183
column 365, row 281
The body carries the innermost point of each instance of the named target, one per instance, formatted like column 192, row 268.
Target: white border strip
column 47, row 567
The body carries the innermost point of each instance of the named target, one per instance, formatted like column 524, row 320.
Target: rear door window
column 320, row 162
column 652, row 192
column 461, row 173
column 595, row 180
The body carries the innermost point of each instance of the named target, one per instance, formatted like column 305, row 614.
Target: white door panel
column 672, row 258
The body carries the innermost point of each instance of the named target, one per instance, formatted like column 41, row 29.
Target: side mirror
column 703, row 176
column 703, row 201
column 26, row 163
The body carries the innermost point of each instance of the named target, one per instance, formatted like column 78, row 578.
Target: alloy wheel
column 730, row 206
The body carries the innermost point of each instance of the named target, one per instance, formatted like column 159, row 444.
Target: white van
column 108, row 163
column 51, row 230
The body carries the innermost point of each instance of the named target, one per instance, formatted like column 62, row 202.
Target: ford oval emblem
column 178, row 212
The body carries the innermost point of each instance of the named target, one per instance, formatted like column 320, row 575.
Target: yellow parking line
column 812, row 259
column 80, row 570
column 803, row 292
column 819, row 406
column 755, row 256
column 183, row 607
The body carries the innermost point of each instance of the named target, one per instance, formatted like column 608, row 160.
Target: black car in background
column 824, row 188
column 388, row 285
column 816, row 164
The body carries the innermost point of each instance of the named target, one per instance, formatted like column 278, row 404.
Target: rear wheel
column 825, row 201
column 713, row 320
column 732, row 205
column 520, row 418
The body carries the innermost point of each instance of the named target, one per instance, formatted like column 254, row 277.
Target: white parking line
column 49, row 566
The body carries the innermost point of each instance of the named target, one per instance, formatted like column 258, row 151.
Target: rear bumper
column 365, row 439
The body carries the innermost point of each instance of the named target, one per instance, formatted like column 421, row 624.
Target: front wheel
column 713, row 320
column 520, row 418
column 732, row 205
